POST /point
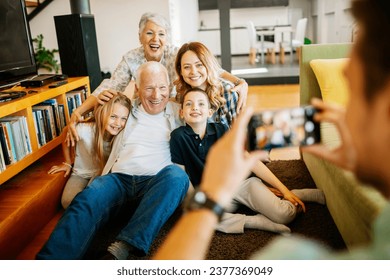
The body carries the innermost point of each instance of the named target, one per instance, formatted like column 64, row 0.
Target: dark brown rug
column 316, row 223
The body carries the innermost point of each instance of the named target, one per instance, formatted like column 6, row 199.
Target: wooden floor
column 273, row 96
column 260, row 97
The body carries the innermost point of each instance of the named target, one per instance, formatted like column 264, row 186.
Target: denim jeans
column 159, row 196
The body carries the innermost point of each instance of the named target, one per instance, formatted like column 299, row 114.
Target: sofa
column 353, row 205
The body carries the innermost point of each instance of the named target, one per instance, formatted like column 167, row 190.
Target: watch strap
column 215, row 207
column 200, row 200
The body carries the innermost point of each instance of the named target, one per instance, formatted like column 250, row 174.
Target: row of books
column 49, row 121
column 14, row 139
column 75, row 98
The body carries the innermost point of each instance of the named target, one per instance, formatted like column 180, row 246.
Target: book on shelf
column 49, row 121
column 40, row 127
column 20, row 142
column 45, row 124
column 26, row 134
column 61, row 110
column 2, row 162
column 54, row 105
column 5, row 148
column 82, row 92
column 10, row 141
column 75, row 98
column 37, row 128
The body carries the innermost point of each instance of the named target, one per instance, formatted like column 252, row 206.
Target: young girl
column 189, row 147
column 197, row 67
column 93, row 149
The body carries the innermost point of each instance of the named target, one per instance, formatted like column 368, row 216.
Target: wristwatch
column 200, row 200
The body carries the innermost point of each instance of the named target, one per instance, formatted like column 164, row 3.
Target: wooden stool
column 252, row 56
column 271, row 56
column 281, row 54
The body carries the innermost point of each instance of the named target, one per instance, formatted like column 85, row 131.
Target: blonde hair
column 101, row 117
column 214, row 87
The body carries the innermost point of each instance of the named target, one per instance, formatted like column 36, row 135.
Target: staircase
column 34, row 7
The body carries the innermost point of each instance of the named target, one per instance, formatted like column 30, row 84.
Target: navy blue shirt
column 189, row 150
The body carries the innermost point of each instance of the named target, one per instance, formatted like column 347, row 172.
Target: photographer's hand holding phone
column 344, row 155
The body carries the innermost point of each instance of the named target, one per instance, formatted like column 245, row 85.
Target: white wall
column 184, row 20
column 238, row 17
column 116, row 25
column 301, row 9
column 332, row 20
column 117, row 22
column 263, row 16
column 266, row 16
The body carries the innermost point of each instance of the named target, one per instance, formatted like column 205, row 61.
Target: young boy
column 189, row 147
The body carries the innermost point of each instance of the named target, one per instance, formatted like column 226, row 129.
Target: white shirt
column 139, row 123
column 84, row 163
column 145, row 155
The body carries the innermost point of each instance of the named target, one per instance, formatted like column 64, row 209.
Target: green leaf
column 45, row 58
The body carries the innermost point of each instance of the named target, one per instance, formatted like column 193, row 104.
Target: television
column 17, row 61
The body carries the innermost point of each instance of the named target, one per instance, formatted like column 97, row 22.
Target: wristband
column 200, row 200
column 67, row 164
column 237, row 82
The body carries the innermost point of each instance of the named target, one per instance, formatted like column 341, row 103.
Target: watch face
column 199, row 200
column 200, row 197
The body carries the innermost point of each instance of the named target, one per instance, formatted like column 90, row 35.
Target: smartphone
column 283, row 128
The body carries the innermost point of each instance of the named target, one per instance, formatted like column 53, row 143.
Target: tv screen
column 16, row 49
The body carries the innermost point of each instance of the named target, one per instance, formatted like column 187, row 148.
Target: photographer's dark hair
column 373, row 18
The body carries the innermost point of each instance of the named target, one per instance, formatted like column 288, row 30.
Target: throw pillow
column 330, row 77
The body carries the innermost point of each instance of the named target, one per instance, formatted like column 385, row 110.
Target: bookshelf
column 24, row 107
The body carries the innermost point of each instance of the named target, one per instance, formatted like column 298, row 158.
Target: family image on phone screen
column 283, row 128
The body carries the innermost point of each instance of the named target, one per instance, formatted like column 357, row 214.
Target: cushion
column 330, row 78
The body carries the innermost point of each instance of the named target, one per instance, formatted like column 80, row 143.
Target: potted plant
column 44, row 58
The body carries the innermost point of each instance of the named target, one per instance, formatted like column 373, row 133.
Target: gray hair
column 152, row 66
column 157, row 19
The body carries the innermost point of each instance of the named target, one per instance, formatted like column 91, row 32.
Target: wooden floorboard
column 271, row 97
column 36, row 244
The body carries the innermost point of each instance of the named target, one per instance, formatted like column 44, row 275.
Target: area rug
column 316, row 223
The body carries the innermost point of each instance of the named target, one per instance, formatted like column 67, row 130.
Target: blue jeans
column 159, row 196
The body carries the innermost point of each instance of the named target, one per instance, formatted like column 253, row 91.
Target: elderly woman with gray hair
column 155, row 37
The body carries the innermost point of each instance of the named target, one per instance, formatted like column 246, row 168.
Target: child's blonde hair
column 101, row 116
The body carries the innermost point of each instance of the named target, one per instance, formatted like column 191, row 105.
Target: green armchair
column 352, row 205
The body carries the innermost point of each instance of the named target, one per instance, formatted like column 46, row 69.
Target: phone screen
column 283, row 128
